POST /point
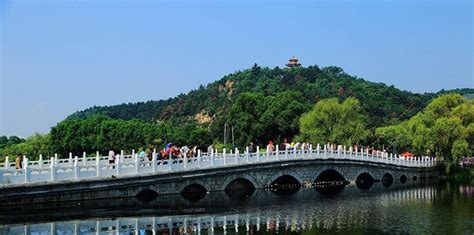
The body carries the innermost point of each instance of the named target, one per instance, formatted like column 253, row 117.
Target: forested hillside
column 383, row 104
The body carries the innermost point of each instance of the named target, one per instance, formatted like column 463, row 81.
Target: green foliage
column 331, row 121
column 32, row 147
column 261, row 118
column 444, row 128
column 101, row 133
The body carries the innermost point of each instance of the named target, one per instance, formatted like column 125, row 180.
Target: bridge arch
column 364, row 181
column 287, row 174
column 403, row 179
column 235, row 182
column 147, row 195
column 329, row 176
column 193, row 192
column 387, row 179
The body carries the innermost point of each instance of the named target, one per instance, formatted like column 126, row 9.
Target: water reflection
column 346, row 209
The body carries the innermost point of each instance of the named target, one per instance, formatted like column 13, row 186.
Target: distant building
column 293, row 62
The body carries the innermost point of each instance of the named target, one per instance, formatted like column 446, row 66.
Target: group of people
column 171, row 151
column 285, row 145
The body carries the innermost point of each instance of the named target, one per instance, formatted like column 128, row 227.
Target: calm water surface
column 442, row 208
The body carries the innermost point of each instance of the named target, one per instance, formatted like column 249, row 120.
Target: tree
column 445, row 128
column 394, row 137
column 335, row 122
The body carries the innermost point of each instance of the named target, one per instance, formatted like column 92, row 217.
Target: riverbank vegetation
column 261, row 104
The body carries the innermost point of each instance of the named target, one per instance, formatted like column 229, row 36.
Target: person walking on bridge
column 270, row 146
column 19, row 164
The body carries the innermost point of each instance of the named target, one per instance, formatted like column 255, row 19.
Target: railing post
column 212, row 157
column 70, row 159
column 118, row 164
column 199, row 158
column 133, row 154
column 84, row 158
column 185, row 161
column 247, row 156
column 294, row 152
column 224, row 156
column 56, row 159
column 236, row 153
column 52, row 167
column 339, row 150
column 26, row 169
column 258, row 153
column 40, row 161
column 268, row 153
column 137, row 163
column 7, row 163
column 277, row 152
column 318, row 150
column 98, row 172
column 76, row 168
column 153, row 160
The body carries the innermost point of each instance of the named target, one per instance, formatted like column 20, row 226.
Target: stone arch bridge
column 129, row 177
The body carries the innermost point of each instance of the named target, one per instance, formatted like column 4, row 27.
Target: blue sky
column 58, row 57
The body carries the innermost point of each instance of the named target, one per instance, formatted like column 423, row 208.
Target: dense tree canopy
column 261, row 118
column 443, row 129
column 101, row 133
column 334, row 122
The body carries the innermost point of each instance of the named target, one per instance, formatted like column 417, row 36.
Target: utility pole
column 233, row 144
column 225, row 128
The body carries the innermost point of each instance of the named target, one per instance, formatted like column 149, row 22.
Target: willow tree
column 335, row 122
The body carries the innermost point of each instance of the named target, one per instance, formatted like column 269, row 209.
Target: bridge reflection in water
column 215, row 212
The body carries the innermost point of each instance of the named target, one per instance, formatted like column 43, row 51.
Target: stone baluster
column 294, row 152
column 70, row 159
column 258, row 153
column 52, row 170
column 137, row 163
column 236, row 153
column 212, row 157
column 56, row 159
column 247, row 156
column 84, row 158
column 26, row 169
column 7, row 163
column 268, row 153
column 153, row 160
column 118, row 164
column 277, row 152
column 224, row 156
column 199, row 160
column 76, row 168
column 133, row 154
column 185, row 161
column 98, row 167
column 40, row 161
column 318, row 151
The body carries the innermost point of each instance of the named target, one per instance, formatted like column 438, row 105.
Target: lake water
column 440, row 208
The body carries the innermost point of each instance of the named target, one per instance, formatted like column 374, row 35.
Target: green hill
column 272, row 99
column 383, row 104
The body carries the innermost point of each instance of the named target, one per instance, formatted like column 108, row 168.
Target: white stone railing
column 77, row 168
